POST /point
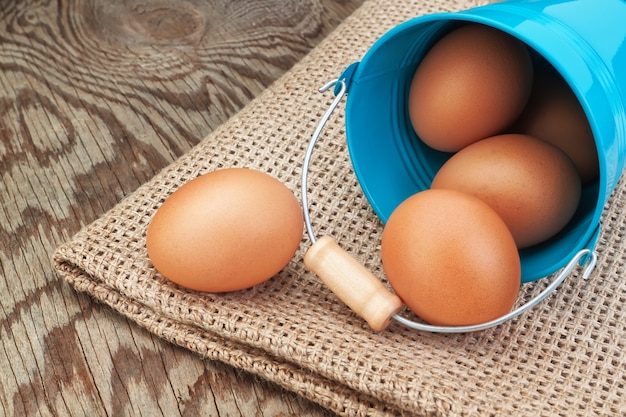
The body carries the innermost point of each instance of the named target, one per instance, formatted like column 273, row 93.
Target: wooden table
column 97, row 96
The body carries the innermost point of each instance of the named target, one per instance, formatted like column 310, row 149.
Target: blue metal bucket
column 584, row 40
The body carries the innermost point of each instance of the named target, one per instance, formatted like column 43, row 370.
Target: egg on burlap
column 226, row 230
column 451, row 258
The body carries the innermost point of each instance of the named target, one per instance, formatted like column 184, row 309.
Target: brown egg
column 554, row 114
column 530, row 183
column 473, row 83
column 226, row 230
column 451, row 258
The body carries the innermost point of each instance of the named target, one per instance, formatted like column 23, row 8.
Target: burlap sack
column 562, row 358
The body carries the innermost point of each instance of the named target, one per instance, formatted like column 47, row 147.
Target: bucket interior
column 392, row 163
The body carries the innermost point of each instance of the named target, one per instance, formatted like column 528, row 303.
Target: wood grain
column 96, row 97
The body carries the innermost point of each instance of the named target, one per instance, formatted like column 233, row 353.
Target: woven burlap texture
column 562, row 358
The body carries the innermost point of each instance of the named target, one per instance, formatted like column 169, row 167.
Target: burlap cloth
column 562, row 358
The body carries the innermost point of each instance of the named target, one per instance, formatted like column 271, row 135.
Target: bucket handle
column 363, row 292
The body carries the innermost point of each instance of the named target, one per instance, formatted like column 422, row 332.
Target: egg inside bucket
column 392, row 163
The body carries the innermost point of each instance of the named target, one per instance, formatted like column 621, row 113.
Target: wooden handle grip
column 352, row 283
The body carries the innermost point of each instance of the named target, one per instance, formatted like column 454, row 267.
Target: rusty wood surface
column 96, row 97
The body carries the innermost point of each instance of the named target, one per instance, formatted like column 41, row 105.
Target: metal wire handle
column 585, row 257
column 309, row 152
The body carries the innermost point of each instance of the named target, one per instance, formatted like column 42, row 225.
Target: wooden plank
column 96, row 97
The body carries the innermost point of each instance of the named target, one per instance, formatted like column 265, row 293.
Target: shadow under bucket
column 584, row 40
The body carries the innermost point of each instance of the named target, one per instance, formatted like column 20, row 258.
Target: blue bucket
column 584, row 40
